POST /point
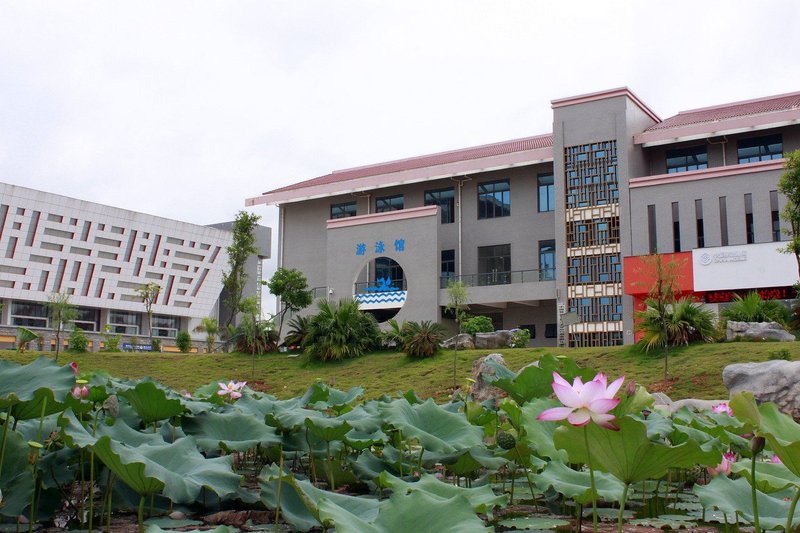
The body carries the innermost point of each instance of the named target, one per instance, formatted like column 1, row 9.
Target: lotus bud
column 630, row 389
column 757, row 444
column 74, row 366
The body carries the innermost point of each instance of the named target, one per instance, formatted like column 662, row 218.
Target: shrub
column 183, row 341
column 478, row 324
column 111, row 340
column 687, row 321
column 393, row 337
column 340, row 331
column 156, row 345
column 255, row 336
column 298, row 329
column 782, row 354
column 520, row 338
column 78, row 341
column 422, row 339
column 752, row 308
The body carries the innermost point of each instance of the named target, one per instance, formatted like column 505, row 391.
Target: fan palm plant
column 298, row 329
column 753, row 308
column 422, row 339
column 677, row 324
column 209, row 326
column 340, row 331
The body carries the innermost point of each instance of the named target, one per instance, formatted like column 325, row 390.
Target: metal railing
column 500, row 278
column 364, row 287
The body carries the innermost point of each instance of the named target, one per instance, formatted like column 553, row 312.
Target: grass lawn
column 695, row 371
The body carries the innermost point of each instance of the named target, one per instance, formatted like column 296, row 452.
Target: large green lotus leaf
column 716, row 425
column 481, row 499
column 151, row 402
column 436, row 429
column 178, row 468
column 328, row 429
column 734, row 496
column 468, row 462
column 34, row 381
column 770, row 477
column 539, row 434
column 360, row 440
column 658, row 426
column 363, row 420
column 577, row 485
column 367, row 466
column 633, row 404
column 323, row 397
column 531, row 382
column 628, row 454
column 291, row 418
column 78, row 435
column 16, row 480
column 300, row 499
column 397, row 512
column 512, row 411
column 230, row 431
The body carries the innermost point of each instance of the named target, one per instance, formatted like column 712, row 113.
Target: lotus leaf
column 628, row 454
column 576, row 485
column 151, row 402
column 535, row 381
column 539, row 434
column 219, row 529
column 77, row 435
column 467, row 462
column 322, row 397
column 368, row 466
column 770, row 477
column 734, row 496
column 528, row 523
column 395, row 513
column 328, row 429
column 230, row 431
column 436, row 429
column 33, row 382
column 482, row 499
column 16, row 480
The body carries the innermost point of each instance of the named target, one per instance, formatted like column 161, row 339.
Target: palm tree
column 680, row 323
column 340, row 331
column 422, row 339
column 209, row 326
column 752, row 308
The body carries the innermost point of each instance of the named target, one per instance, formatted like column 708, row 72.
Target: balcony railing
column 367, row 287
column 500, row 278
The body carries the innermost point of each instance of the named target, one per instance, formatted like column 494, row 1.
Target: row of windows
column 700, row 223
column 36, row 315
column 494, row 200
column 750, row 150
column 494, row 264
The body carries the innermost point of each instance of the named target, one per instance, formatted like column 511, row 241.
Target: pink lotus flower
column 231, row 389
column 74, row 366
column 722, row 408
column 80, row 392
column 728, row 458
column 584, row 402
column 775, row 459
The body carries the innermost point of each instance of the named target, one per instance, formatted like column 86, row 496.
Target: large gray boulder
column 772, row 381
column 462, row 341
column 496, row 339
column 757, row 331
column 481, row 390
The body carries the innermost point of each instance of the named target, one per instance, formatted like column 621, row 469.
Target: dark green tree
column 62, row 312
column 290, row 286
column 789, row 186
column 149, row 294
column 240, row 250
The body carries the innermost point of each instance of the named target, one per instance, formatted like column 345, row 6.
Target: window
column 547, row 193
column 166, row 326
column 749, row 226
column 389, row 203
column 124, row 323
column 29, row 315
column 448, row 267
column 683, row 159
column 550, row 331
column 776, row 219
column 494, row 199
column 652, row 234
column 723, row 221
column 494, row 264
column 386, row 268
column 446, row 200
column 701, row 232
column 760, row 149
column 87, row 319
column 676, row 228
column 344, row 210
column 547, row 260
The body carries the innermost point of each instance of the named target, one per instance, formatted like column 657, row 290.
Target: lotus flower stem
column 790, row 519
column 756, row 524
column 591, row 478
column 141, row 514
column 41, row 418
column 622, row 508
column 111, row 481
column 280, row 486
column 5, row 438
column 530, row 483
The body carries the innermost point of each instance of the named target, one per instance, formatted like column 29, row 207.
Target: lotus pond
column 79, row 451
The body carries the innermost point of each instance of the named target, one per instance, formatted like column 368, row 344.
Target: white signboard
column 749, row 266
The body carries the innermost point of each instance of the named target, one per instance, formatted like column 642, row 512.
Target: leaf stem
column 141, row 514
column 753, row 492
column 622, row 508
column 280, row 486
column 790, row 519
column 591, row 478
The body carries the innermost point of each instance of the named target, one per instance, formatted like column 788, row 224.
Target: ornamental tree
column 149, row 294
column 290, row 286
column 62, row 312
column 458, row 304
column 240, row 250
column 789, row 186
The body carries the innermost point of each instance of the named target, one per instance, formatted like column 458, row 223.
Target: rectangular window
column 494, row 199
column 29, row 315
column 723, row 221
column 547, row 260
column 446, row 200
column 547, row 193
column 676, row 228
column 776, row 217
column 701, row 232
column 550, row 331
column 344, row 210
column 448, row 266
column 494, row 264
column 652, row 235
column 389, row 203
column 683, row 159
column 166, row 326
column 760, row 149
column 87, row 319
column 124, row 323
column 748, row 219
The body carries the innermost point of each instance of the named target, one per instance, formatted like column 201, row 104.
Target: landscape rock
column 757, row 331
column 462, row 341
column 772, row 381
column 481, row 390
column 659, row 398
column 496, row 339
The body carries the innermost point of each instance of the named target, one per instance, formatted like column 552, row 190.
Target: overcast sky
column 184, row 109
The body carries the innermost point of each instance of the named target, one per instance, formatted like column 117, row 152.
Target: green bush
column 255, row 336
column 752, row 308
column 422, row 339
column 156, row 345
column 183, row 341
column 782, row 354
column 687, row 321
column 78, row 341
column 340, row 331
column 111, row 340
column 520, row 338
column 393, row 337
column 478, row 324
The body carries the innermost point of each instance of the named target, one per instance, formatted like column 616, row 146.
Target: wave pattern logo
column 381, row 300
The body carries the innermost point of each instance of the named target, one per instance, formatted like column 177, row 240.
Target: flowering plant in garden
column 232, row 389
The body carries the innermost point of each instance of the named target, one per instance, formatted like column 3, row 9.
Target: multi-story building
column 548, row 230
column 99, row 256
